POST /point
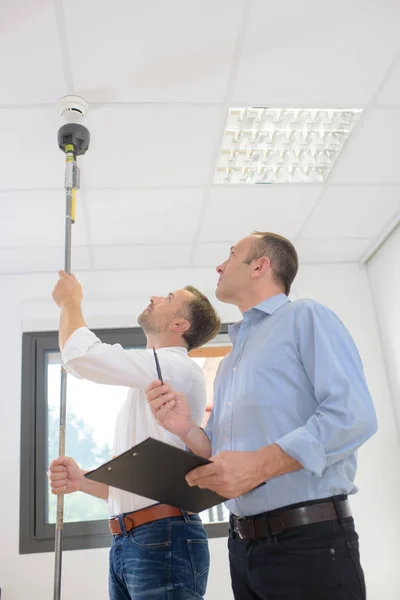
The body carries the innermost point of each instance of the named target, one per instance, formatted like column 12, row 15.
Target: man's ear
column 180, row 325
column 260, row 266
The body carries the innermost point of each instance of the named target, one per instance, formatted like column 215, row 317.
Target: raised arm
column 67, row 294
column 85, row 356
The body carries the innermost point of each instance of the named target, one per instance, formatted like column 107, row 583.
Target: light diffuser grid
column 281, row 145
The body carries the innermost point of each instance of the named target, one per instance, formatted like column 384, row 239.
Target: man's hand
column 173, row 413
column 67, row 294
column 65, row 476
column 169, row 408
column 231, row 474
column 67, row 290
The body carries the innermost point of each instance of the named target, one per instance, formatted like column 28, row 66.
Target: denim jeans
column 167, row 559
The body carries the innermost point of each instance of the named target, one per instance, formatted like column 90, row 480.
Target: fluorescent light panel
column 282, row 145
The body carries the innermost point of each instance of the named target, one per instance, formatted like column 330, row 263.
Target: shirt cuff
column 306, row 449
column 77, row 345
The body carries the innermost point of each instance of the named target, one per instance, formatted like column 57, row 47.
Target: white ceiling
column 159, row 77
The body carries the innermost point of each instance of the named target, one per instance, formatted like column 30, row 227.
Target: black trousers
column 312, row 562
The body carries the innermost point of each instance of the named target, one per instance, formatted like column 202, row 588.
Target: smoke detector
column 72, row 108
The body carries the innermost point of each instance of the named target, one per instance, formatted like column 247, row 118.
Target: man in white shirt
column 158, row 551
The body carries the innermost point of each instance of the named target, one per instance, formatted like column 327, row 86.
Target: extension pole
column 74, row 140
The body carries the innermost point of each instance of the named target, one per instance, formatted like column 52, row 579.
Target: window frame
column 35, row 534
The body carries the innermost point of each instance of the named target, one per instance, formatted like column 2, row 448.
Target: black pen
column 158, row 366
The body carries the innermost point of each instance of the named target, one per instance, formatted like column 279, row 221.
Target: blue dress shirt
column 294, row 377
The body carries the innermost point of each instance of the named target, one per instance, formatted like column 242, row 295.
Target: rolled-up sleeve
column 345, row 416
column 86, row 357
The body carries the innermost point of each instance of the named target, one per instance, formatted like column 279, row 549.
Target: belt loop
column 268, row 528
column 252, row 528
column 232, row 533
column 122, row 525
column 336, row 504
column 185, row 516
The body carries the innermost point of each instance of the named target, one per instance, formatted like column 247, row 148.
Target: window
column 90, row 428
column 91, row 413
column 209, row 358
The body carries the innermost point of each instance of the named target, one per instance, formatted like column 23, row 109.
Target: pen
column 158, row 366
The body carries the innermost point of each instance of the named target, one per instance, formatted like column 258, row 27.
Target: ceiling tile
column 310, row 251
column 324, row 251
column 391, row 90
column 142, row 256
column 353, row 212
column 31, row 69
column 212, row 254
column 143, row 216
column 151, row 146
column 30, row 157
column 293, row 54
column 40, row 260
column 37, row 219
column 233, row 212
column 158, row 51
column 179, row 52
column 372, row 156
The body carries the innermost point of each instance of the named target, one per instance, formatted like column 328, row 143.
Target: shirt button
column 234, row 369
column 229, row 403
column 227, row 439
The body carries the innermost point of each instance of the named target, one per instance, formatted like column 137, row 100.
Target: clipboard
column 156, row 470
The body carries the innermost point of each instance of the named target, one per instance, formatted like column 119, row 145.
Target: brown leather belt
column 141, row 517
column 275, row 522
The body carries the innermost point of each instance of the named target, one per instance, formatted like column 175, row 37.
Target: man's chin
column 221, row 295
column 142, row 320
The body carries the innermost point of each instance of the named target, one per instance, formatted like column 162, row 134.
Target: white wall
column 384, row 278
column 113, row 299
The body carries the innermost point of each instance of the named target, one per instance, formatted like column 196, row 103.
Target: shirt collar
column 268, row 306
column 179, row 349
column 174, row 348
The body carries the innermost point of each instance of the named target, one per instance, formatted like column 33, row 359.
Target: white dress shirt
column 86, row 357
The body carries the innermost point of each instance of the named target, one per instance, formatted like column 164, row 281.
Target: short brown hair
column 281, row 253
column 204, row 321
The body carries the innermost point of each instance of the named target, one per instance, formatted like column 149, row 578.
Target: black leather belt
column 275, row 522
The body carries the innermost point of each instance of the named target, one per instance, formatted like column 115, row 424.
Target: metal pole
column 71, row 186
column 73, row 140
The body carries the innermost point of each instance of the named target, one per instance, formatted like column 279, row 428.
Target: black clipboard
column 157, row 470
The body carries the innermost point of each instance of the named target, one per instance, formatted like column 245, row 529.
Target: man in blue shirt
column 291, row 408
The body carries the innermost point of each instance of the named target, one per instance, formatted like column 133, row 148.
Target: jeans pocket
column 311, row 540
column 156, row 534
column 354, row 552
column 199, row 554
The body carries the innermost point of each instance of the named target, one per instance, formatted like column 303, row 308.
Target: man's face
column 234, row 273
column 161, row 313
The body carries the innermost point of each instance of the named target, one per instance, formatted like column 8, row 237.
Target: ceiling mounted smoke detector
column 72, row 108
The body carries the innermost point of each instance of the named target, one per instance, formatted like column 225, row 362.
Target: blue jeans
column 167, row 559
